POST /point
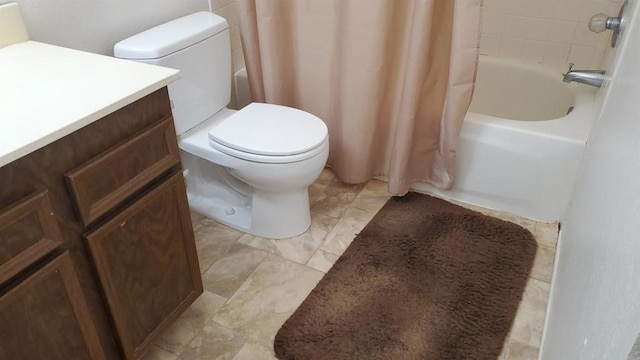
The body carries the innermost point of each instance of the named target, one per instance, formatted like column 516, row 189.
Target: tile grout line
column 226, row 251
column 245, row 280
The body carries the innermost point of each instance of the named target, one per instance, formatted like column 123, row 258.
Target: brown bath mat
column 425, row 279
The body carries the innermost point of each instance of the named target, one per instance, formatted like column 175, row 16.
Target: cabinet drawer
column 107, row 180
column 46, row 317
column 147, row 264
column 28, row 231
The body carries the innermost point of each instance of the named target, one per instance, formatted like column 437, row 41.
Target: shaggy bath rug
column 425, row 279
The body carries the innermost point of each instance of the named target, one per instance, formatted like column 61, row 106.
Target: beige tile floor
column 252, row 285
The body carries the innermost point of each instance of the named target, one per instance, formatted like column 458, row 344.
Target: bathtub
column 522, row 140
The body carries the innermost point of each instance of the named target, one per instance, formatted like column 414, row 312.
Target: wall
column 95, row 26
column 227, row 9
column 549, row 31
column 594, row 310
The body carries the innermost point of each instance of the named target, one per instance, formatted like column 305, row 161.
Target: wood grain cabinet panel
column 146, row 261
column 108, row 179
column 28, row 231
column 46, row 317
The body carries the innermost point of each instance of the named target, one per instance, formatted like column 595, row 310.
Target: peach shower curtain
column 391, row 78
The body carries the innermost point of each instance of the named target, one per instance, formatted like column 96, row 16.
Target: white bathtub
column 519, row 152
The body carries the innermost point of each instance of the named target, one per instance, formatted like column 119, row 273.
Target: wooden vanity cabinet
column 132, row 201
column 97, row 253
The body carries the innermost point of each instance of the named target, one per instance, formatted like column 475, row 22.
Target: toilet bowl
column 275, row 204
column 249, row 169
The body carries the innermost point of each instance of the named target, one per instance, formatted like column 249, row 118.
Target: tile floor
column 252, row 285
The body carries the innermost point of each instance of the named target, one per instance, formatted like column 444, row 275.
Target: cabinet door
column 147, row 265
column 28, row 231
column 45, row 317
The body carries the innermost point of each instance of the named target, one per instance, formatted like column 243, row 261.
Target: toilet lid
column 272, row 130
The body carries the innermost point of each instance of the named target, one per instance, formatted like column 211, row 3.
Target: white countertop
column 48, row 92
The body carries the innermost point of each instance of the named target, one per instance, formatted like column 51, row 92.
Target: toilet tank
column 198, row 45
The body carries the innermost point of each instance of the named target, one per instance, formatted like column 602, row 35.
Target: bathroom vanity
column 97, row 252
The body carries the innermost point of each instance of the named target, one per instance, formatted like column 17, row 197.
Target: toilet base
column 280, row 215
column 269, row 200
column 277, row 213
column 269, row 215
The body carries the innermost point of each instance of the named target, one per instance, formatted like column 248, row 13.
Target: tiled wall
column 227, row 9
column 548, row 31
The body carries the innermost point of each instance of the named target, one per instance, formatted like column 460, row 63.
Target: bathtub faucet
column 589, row 77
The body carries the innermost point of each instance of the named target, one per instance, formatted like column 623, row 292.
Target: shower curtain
column 392, row 79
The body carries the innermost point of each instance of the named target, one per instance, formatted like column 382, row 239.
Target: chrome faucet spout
column 588, row 77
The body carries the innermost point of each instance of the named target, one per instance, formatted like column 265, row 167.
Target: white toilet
column 249, row 169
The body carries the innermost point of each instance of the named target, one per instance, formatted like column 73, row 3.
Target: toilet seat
column 269, row 159
column 269, row 134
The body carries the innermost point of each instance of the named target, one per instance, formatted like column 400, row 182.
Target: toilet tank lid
column 170, row 37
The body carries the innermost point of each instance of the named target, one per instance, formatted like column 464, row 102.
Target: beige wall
column 95, row 26
column 227, row 9
column 548, row 31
